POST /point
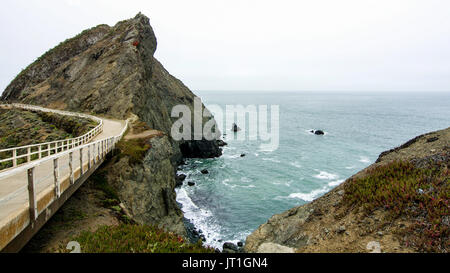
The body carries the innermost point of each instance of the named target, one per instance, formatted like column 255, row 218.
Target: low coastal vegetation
column 136, row 143
column 22, row 127
column 404, row 190
column 132, row 238
column 134, row 149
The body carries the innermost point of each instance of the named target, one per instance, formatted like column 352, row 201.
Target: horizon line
column 353, row 91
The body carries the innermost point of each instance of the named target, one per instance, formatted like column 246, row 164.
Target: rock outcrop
column 111, row 71
column 147, row 189
column 331, row 223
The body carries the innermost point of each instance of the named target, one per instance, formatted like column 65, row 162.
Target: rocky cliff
column 111, row 71
column 398, row 204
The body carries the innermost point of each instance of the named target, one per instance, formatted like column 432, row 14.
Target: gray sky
column 355, row 45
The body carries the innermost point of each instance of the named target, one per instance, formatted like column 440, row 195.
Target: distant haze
column 326, row 45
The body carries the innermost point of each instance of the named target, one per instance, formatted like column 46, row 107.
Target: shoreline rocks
column 230, row 248
column 221, row 143
column 179, row 180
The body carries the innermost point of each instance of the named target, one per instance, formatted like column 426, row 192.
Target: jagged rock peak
column 135, row 30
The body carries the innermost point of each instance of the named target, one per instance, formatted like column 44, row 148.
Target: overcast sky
column 327, row 45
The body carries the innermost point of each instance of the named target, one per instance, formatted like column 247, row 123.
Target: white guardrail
column 50, row 172
column 26, row 154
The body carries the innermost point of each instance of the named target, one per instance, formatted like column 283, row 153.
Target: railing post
column 14, row 157
column 89, row 157
column 32, row 195
column 56, row 177
column 98, row 152
column 93, row 152
column 29, row 154
column 71, row 178
column 40, row 151
column 81, row 162
column 113, row 146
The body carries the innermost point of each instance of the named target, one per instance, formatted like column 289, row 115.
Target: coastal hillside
column 111, row 72
column 20, row 127
column 398, row 204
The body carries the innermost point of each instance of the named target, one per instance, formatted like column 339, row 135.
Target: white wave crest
column 364, row 159
column 200, row 218
column 326, row 176
column 309, row 196
column 335, row 183
column 271, row 160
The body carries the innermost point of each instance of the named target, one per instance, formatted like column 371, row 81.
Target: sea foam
column 309, row 196
column 326, row 176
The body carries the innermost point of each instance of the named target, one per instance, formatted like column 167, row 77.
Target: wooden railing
column 24, row 154
column 43, row 185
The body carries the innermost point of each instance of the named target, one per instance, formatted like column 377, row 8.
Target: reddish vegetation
column 404, row 190
column 136, row 43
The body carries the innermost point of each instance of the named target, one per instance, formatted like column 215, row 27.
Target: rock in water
column 319, row 132
column 180, row 179
column 205, row 172
column 235, row 128
column 200, row 149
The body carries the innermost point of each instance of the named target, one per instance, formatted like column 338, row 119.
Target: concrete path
column 14, row 183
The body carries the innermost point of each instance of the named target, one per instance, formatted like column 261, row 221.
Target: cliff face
column 147, row 189
column 111, row 71
column 398, row 204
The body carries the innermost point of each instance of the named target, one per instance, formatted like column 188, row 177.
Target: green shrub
column 127, row 238
column 134, row 149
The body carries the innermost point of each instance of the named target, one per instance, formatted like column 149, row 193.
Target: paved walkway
column 14, row 183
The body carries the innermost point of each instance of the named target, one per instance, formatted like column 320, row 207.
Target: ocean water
column 241, row 193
